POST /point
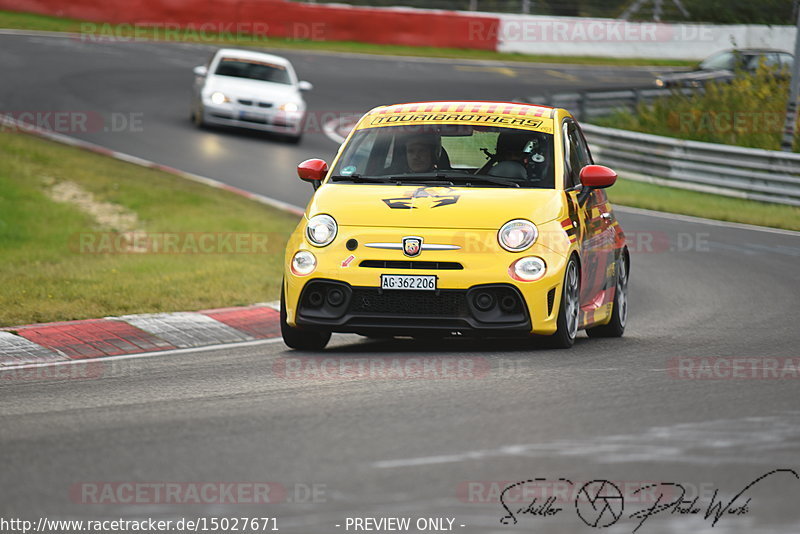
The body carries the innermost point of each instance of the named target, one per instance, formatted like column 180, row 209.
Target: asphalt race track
column 419, row 447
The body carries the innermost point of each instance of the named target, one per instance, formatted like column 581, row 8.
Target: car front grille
column 441, row 303
column 415, row 264
column 247, row 102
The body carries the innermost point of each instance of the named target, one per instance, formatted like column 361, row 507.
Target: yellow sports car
column 457, row 219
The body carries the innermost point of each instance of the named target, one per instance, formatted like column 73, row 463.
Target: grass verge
column 55, row 263
column 29, row 21
column 661, row 198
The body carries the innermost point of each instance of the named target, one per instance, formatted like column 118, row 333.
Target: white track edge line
column 701, row 220
column 85, row 361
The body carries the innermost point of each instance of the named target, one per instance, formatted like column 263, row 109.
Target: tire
column 619, row 311
column 299, row 338
column 569, row 308
column 197, row 116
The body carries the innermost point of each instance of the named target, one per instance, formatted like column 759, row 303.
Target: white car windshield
column 253, row 70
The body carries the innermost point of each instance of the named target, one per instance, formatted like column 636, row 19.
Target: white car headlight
column 218, row 98
column 303, row 263
column 290, row 107
column 321, row 230
column 527, row 269
column 517, row 235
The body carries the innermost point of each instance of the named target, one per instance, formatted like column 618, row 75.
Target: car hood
column 434, row 207
column 242, row 87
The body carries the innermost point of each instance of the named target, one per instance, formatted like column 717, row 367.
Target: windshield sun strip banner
column 524, row 122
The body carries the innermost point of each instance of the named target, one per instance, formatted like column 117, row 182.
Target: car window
column 512, row 156
column 771, row 60
column 721, row 61
column 253, row 70
column 576, row 154
column 787, row 60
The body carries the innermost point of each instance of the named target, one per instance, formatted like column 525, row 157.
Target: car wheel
column 298, row 338
column 569, row 310
column 197, row 116
column 619, row 311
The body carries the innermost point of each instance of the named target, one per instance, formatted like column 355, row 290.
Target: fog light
column 508, row 304
column 315, row 299
column 484, row 301
column 335, row 297
column 303, row 263
column 527, row 269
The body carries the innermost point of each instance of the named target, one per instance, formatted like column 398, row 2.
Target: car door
column 594, row 218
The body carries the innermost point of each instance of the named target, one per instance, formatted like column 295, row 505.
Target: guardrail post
column 637, row 99
column 582, row 106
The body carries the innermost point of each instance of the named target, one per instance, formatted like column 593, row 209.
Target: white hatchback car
column 249, row 89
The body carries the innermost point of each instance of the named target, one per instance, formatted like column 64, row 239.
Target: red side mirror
column 312, row 170
column 597, row 176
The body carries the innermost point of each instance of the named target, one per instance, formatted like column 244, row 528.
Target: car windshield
column 253, row 70
column 481, row 156
column 731, row 61
column 721, row 61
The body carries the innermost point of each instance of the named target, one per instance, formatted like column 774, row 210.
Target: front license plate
column 252, row 117
column 406, row 281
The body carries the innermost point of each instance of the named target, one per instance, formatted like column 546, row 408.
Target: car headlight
column 303, row 263
column 527, row 269
column 517, row 235
column 321, row 230
column 218, row 98
column 290, row 107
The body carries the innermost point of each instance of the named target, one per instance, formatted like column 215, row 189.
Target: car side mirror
column 597, row 177
column 304, row 85
column 313, row 171
column 200, row 70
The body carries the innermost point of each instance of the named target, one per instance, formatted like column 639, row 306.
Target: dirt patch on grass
column 106, row 215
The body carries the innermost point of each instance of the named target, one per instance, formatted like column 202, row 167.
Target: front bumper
column 373, row 310
column 451, row 308
column 267, row 120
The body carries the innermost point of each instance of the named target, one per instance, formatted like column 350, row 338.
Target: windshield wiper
column 487, row 179
column 357, row 178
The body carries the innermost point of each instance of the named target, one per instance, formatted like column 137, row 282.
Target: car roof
column 251, row 54
column 515, row 108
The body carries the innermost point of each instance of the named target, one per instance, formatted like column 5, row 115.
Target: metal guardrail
column 587, row 105
column 750, row 173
